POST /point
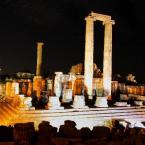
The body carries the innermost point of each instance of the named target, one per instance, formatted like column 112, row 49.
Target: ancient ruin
column 89, row 51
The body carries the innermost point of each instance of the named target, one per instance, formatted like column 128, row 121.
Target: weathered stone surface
column 89, row 50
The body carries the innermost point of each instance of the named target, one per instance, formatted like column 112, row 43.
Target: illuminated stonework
column 39, row 58
column 37, row 86
column 25, row 102
column 54, row 103
column 58, row 84
column 8, row 88
column 107, row 60
column 101, row 102
column 79, row 102
column 89, row 49
column 68, row 82
column 12, row 88
column 2, row 89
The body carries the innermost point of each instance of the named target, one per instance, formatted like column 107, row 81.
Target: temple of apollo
column 67, row 88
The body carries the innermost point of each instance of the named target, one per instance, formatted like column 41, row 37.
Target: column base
column 101, row 102
column 79, row 102
column 53, row 103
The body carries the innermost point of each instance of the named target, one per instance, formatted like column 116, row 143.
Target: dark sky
column 60, row 25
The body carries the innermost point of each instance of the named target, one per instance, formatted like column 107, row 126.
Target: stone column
column 107, row 62
column 89, row 50
column 58, row 83
column 39, row 58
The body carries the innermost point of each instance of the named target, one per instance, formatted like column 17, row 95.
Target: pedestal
column 79, row 102
column 101, row 102
column 54, row 103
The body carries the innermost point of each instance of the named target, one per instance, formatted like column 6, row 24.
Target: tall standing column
column 39, row 58
column 89, row 50
column 107, row 62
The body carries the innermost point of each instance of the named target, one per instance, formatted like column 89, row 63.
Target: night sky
column 60, row 25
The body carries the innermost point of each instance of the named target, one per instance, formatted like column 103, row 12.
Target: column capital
column 89, row 18
column 109, row 22
column 40, row 44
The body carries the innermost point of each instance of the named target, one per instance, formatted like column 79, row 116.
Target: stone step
column 7, row 113
column 114, row 111
column 88, row 117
